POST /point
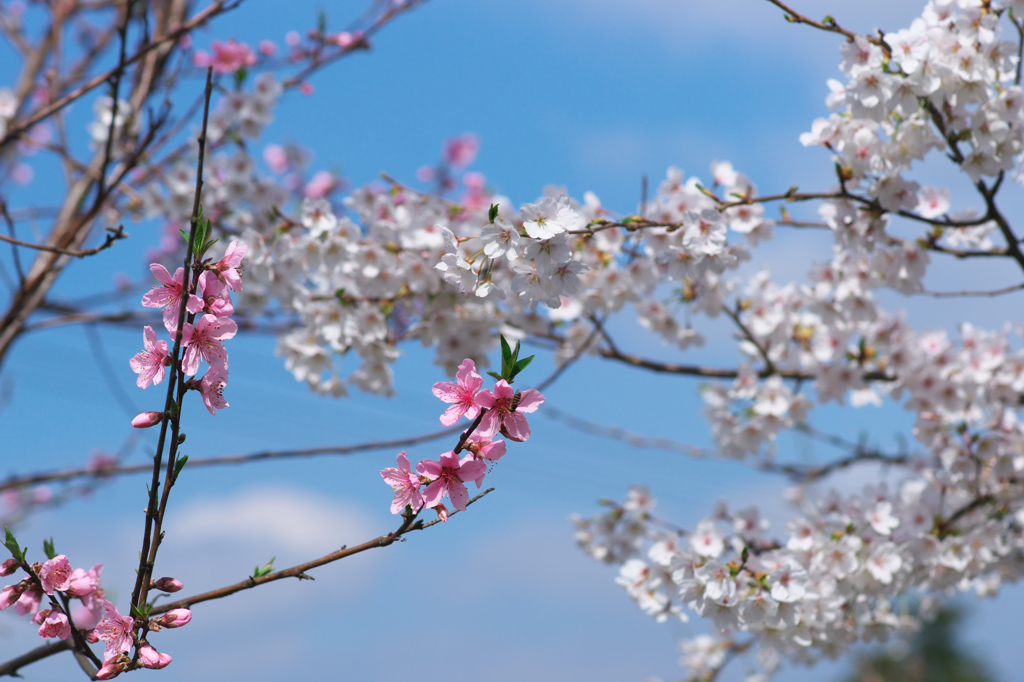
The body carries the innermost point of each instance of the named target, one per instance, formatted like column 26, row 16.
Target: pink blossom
column 42, row 494
column 147, row 419
column 168, row 295
column 211, row 387
column 55, row 574
column 216, row 296
column 231, row 56
column 11, row 595
column 485, row 449
column 306, row 89
column 461, row 151
column 344, row 39
column 227, row 267
column 447, row 476
column 462, row 394
column 149, row 363
column 29, row 601
column 112, row 668
column 174, row 618
column 81, row 583
column 55, row 625
column 268, row 48
column 116, row 631
column 8, row 567
column 405, row 484
column 505, row 411
column 320, row 185
column 203, row 342
column 151, row 658
column 277, row 158
column 442, row 513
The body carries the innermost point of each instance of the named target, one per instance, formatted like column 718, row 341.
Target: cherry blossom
column 149, row 363
column 462, row 394
column 115, row 631
column 405, row 484
column 447, row 477
column 168, row 296
column 505, row 410
column 203, row 342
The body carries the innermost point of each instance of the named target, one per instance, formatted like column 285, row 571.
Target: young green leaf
column 495, row 375
column 48, row 549
column 11, row 543
column 266, row 569
column 521, row 365
column 492, row 213
column 506, row 356
column 179, row 465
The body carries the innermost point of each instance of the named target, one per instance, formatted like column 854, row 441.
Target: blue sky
column 591, row 94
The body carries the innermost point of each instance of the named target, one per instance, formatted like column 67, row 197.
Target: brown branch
column 218, row 7
column 299, row 571
column 956, row 294
column 112, row 236
column 72, row 474
column 12, row 666
column 115, row 93
column 828, row 24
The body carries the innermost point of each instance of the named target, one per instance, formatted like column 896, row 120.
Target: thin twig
column 112, row 236
column 299, row 571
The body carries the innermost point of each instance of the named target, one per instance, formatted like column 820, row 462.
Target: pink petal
column 472, row 469
column 429, row 468
column 435, row 492
column 485, row 399
column 453, row 414
column 402, row 459
column 489, row 425
column 529, row 400
column 517, row 428
column 161, row 274
column 447, row 391
column 458, row 494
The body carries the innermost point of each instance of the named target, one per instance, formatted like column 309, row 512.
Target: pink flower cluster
column 503, row 412
column 227, row 57
column 202, row 340
column 92, row 614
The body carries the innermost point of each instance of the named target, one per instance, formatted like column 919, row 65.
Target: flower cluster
column 202, row 339
column 92, row 616
column 501, row 411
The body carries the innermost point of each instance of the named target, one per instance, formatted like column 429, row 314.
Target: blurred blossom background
column 586, row 94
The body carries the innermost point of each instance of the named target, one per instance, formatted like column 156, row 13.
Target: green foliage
column 11, row 543
column 267, row 568
column 48, row 548
column 511, row 365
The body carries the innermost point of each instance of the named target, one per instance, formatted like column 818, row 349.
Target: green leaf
column 506, row 356
column 240, row 75
column 495, row 375
column 143, row 612
column 184, row 234
column 492, row 213
column 207, row 245
column 11, row 543
column 179, row 465
column 48, row 548
column 267, row 568
column 521, row 365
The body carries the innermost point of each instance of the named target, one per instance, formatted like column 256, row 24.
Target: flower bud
column 90, row 636
column 11, row 594
column 442, row 512
column 174, row 618
column 167, row 585
column 113, row 668
column 151, row 658
column 147, row 419
column 8, row 567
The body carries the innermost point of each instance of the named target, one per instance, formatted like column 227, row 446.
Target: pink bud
column 112, row 668
column 174, row 618
column 167, row 585
column 11, row 594
column 442, row 512
column 306, row 89
column 8, row 567
column 90, row 635
column 151, row 658
column 268, row 48
column 147, row 419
